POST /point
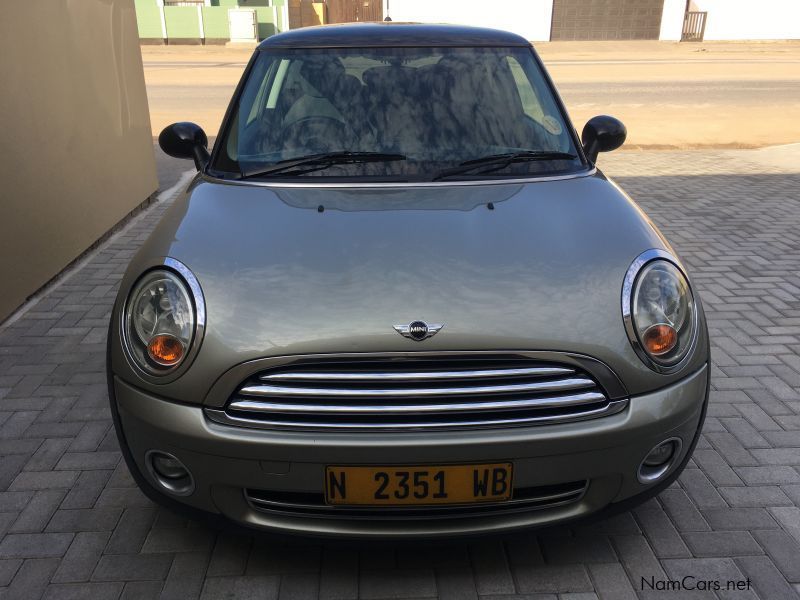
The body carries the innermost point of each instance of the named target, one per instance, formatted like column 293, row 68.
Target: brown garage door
column 351, row 11
column 606, row 19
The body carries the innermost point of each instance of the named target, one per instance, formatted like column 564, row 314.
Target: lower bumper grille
column 422, row 394
column 313, row 504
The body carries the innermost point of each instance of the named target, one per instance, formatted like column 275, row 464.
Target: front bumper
column 225, row 460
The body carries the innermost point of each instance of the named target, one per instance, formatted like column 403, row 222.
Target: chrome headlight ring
column 184, row 281
column 629, row 289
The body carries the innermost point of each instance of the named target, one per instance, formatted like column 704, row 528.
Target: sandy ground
column 669, row 95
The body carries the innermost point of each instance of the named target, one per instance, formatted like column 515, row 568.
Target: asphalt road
column 682, row 93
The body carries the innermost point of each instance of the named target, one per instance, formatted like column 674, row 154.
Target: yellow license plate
column 421, row 484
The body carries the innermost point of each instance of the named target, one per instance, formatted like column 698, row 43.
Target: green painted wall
column 148, row 18
column 265, row 18
column 182, row 22
column 215, row 19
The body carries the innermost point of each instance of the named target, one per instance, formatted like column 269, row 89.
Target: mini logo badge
column 418, row 330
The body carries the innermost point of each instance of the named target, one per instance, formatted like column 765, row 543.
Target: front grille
column 416, row 394
column 311, row 504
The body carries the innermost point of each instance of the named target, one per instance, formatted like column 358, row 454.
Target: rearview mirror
column 185, row 140
column 602, row 134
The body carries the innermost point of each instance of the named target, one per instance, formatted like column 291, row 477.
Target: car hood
column 503, row 266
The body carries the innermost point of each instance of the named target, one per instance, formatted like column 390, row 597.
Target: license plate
column 422, row 484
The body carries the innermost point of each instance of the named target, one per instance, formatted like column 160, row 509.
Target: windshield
column 419, row 113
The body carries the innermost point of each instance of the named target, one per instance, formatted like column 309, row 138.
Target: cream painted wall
column 76, row 153
column 529, row 18
column 672, row 20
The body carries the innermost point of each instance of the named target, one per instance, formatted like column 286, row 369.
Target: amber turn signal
column 165, row 350
column 660, row 339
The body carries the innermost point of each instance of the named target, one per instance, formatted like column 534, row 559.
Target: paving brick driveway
column 73, row 525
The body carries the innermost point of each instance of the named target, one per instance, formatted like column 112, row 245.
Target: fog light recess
column 169, row 472
column 659, row 460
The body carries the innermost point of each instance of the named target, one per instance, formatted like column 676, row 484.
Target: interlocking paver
column 73, row 524
column 768, row 475
column 34, row 545
column 793, row 491
column 83, row 591
column 700, row 488
column 142, row 590
column 682, row 511
column 767, row 580
column 611, row 582
column 299, row 587
column 454, row 583
column 186, row 576
column 86, row 490
column 755, row 496
column 132, row 567
column 8, row 568
column 722, row 570
column 48, row 454
column 789, row 518
column 717, row 468
column 721, row 543
column 737, row 519
column 553, row 578
column 492, row 573
column 339, row 575
column 783, row 550
column 397, row 583
column 587, row 549
column 230, row 555
column 44, row 480
column 36, row 514
column 84, row 519
column 179, row 540
column 82, row 556
column 31, row 579
column 660, row 531
column 524, row 597
column 240, row 588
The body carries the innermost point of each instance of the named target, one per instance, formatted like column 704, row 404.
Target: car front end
column 400, row 350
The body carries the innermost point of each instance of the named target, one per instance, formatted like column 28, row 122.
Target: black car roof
column 388, row 34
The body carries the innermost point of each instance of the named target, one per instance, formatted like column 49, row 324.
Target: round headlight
column 659, row 311
column 160, row 322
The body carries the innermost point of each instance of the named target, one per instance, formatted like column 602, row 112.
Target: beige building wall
column 306, row 13
column 76, row 152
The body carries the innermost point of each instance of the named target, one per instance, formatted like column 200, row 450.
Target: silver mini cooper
column 399, row 299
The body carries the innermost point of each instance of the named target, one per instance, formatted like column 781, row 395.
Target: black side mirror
column 602, row 134
column 185, row 140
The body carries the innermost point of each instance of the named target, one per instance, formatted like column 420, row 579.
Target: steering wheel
column 317, row 134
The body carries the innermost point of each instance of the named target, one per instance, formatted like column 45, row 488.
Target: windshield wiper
column 495, row 162
column 315, row 162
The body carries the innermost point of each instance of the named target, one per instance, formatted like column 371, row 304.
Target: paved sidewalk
column 73, row 525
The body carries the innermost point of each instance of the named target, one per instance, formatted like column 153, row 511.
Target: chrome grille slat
column 408, row 393
column 402, row 409
column 297, row 505
column 416, row 376
column 313, row 505
column 223, row 417
column 559, row 385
